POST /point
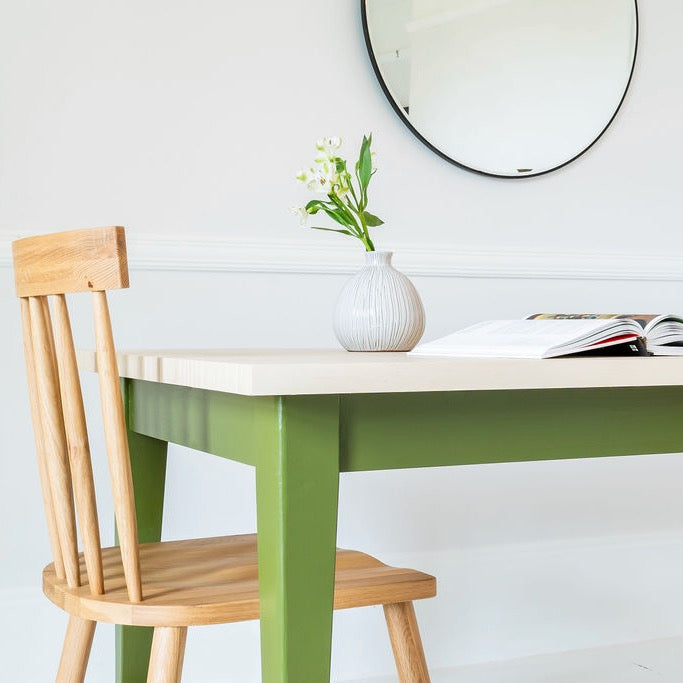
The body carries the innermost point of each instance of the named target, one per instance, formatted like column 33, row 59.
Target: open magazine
column 548, row 335
column 663, row 334
column 539, row 339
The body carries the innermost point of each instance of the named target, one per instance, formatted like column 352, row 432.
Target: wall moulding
column 198, row 254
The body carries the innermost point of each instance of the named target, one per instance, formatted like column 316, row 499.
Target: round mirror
column 509, row 88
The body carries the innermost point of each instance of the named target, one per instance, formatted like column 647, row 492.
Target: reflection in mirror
column 509, row 88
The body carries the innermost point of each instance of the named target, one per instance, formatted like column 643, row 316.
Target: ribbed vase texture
column 379, row 308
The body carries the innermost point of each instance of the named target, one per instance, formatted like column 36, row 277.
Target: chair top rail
column 87, row 260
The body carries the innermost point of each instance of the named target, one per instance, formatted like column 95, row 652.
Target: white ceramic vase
column 379, row 309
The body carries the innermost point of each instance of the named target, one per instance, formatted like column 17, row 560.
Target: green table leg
column 297, row 486
column 148, row 464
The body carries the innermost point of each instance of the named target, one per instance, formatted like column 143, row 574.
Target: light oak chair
column 169, row 585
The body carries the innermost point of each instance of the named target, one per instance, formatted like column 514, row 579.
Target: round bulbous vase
column 379, row 308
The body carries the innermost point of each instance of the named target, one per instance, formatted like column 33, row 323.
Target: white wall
column 187, row 120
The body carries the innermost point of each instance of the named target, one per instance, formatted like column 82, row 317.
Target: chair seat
column 215, row 581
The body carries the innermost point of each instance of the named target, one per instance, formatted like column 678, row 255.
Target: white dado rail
column 196, row 254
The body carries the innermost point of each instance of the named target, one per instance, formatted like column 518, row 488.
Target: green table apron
column 300, row 444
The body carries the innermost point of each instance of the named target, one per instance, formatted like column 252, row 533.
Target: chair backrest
column 46, row 268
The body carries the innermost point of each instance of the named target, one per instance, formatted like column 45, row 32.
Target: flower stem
column 364, row 235
column 369, row 246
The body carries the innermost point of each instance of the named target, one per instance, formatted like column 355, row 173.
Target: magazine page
column 665, row 329
column 668, row 350
column 645, row 320
column 659, row 330
column 530, row 338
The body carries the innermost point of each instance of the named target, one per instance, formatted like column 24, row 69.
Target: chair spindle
column 117, row 446
column 53, row 533
column 54, row 437
column 79, row 449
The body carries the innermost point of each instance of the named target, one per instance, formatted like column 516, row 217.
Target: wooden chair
column 169, row 585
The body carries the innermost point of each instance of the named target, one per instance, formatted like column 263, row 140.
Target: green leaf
column 336, row 216
column 336, row 211
column 371, row 220
column 314, row 206
column 343, row 232
column 345, row 211
column 365, row 162
column 341, row 207
column 352, row 191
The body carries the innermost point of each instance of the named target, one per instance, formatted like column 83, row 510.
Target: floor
column 658, row 661
column 652, row 661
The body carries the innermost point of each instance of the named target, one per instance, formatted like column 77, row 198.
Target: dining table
column 302, row 417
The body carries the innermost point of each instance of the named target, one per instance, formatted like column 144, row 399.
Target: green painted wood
column 389, row 431
column 148, row 465
column 300, row 444
column 227, row 425
column 297, row 482
column 382, row 431
column 133, row 646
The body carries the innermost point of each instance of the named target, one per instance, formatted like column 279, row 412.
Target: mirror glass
column 510, row 88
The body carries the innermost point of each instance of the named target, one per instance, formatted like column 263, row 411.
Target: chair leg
column 76, row 650
column 406, row 643
column 168, row 650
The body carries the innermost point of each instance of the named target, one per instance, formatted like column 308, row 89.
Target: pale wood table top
column 273, row 372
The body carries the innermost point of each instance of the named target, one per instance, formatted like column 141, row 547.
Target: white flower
column 303, row 176
column 320, row 183
column 301, row 213
column 324, row 178
column 328, row 146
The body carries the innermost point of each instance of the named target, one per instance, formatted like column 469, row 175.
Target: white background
column 186, row 121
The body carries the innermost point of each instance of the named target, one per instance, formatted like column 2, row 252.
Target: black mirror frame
column 438, row 152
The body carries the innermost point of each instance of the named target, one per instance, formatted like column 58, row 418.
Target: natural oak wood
column 76, row 650
column 168, row 650
column 79, row 449
column 117, row 446
column 168, row 586
column 54, row 437
column 215, row 581
column 76, row 261
column 406, row 643
column 288, row 372
column 36, row 419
